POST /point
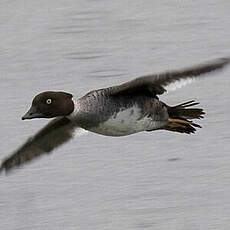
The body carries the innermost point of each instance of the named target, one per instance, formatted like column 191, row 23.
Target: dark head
column 50, row 104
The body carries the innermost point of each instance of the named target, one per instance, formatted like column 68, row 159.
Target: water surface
column 156, row 180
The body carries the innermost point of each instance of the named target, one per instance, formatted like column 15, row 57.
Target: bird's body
column 102, row 113
column 119, row 110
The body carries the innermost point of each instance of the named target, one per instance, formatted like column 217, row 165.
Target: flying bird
column 115, row 111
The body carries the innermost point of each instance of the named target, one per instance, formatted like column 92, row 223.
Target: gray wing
column 54, row 134
column 154, row 84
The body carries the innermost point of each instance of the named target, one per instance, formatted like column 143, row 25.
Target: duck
column 120, row 110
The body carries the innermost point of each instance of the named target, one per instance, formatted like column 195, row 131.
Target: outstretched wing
column 155, row 84
column 54, row 134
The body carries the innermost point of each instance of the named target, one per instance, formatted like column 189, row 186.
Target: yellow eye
column 48, row 101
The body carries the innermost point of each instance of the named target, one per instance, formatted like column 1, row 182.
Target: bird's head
column 50, row 104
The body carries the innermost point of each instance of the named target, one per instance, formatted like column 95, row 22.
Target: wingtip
column 223, row 61
column 227, row 59
column 1, row 169
column 4, row 170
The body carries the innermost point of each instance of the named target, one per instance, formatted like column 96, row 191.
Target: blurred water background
column 157, row 180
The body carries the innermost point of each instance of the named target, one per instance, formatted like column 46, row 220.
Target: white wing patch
column 80, row 132
column 179, row 84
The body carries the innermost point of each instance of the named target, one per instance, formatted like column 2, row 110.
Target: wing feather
column 54, row 134
column 155, row 84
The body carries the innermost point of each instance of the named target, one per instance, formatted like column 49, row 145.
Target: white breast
column 126, row 122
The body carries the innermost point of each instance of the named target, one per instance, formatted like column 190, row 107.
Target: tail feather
column 187, row 104
column 181, row 126
column 181, row 111
column 180, row 117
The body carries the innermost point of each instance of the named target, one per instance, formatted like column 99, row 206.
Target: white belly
column 127, row 122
